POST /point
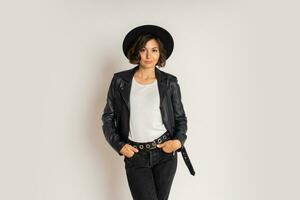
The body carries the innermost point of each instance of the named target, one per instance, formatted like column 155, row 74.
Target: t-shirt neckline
column 144, row 84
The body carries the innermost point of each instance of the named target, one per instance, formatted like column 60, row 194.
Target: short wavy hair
column 133, row 53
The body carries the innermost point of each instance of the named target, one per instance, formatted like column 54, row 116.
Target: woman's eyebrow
column 152, row 47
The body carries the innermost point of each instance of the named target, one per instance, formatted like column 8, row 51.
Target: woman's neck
column 145, row 73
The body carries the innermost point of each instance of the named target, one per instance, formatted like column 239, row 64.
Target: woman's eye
column 143, row 50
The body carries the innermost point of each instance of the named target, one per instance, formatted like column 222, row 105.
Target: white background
column 237, row 63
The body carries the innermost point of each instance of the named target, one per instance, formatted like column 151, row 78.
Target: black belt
column 187, row 160
column 152, row 145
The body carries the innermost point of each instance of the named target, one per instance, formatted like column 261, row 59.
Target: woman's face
column 149, row 54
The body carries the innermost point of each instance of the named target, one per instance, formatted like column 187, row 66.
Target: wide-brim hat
column 161, row 33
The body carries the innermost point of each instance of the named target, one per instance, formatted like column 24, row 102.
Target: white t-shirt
column 145, row 116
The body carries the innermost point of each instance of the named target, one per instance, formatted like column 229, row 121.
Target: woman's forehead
column 152, row 44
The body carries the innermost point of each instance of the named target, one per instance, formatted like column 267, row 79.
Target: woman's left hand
column 170, row 145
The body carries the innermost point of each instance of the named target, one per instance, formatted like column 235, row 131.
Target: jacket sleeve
column 179, row 115
column 108, row 119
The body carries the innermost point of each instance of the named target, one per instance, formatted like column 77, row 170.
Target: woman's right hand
column 128, row 150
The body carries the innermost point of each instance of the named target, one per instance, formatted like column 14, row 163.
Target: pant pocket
column 173, row 154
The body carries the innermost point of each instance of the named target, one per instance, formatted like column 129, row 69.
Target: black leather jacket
column 116, row 113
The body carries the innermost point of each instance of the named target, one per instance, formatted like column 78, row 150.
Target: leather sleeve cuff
column 118, row 147
column 182, row 138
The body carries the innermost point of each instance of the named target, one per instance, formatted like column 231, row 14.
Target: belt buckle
column 151, row 146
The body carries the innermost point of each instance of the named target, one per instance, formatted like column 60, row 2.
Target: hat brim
column 162, row 34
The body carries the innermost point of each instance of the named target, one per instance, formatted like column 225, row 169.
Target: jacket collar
column 128, row 75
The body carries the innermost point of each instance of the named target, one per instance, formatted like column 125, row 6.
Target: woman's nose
column 147, row 54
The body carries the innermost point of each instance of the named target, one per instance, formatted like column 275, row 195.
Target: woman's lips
column 148, row 61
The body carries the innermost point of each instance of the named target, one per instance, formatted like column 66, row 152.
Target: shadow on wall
column 111, row 174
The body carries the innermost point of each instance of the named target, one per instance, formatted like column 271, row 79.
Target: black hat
column 157, row 31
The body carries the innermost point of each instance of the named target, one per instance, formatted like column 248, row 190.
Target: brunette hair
column 133, row 53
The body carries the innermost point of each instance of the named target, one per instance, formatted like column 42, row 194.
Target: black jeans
column 150, row 174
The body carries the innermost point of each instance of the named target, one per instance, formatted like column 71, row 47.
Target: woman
column 144, row 119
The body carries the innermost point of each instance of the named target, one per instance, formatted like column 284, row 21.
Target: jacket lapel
column 125, row 86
